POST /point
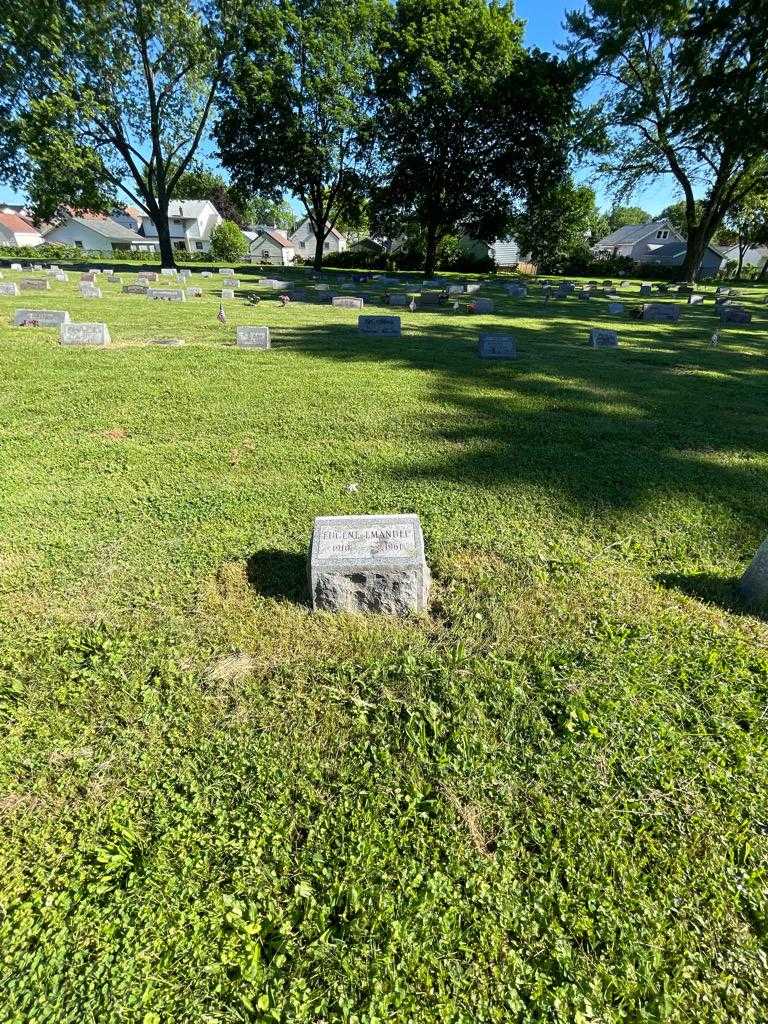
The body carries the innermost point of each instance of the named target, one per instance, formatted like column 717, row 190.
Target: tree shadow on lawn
column 712, row 589
column 664, row 412
column 279, row 574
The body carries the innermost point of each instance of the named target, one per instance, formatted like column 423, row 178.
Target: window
column 265, row 254
column 302, row 245
column 199, row 245
column 178, row 223
column 179, row 246
column 662, row 234
column 327, row 246
column 78, row 245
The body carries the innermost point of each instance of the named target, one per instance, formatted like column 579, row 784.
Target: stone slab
column 147, row 275
column 368, row 564
column 9, row 288
column 601, row 338
column 695, row 300
column 167, row 294
column 194, row 293
column 135, row 289
column 33, row 284
column 227, row 293
column 168, row 342
column 483, row 306
column 347, row 302
column 89, row 291
column 516, row 291
column 169, row 272
column 734, row 315
column 661, row 312
column 84, row 334
column 42, row 317
column 231, row 282
column 646, row 289
column 274, row 284
column 400, row 300
column 253, row 337
column 380, row 326
column 16, row 266
column 496, row 345
column 753, row 586
column 227, row 271
column 616, row 308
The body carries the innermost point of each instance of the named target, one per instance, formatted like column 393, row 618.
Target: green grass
column 543, row 802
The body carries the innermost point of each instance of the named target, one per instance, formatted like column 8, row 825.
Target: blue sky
column 543, row 29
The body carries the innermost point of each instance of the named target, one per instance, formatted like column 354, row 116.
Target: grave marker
column 399, row 299
column 229, row 271
column 483, row 306
column 253, row 337
column 496, row 346
column 168, row 342
column 83, row 334
column 89, row 291
column 734, row 315
column 368, row 564
column 600, row 338
column 42, row 317
column 169, row 272
column 9, row 289
column 167, row 294
column 16, row 266
column 347, row 302
column 645, row 289
column 381, row 326
column 754, row 583
column 31, row 284
column 227, row 293
column 616, row 308
column 695, row 299
column 135, row 289
column 661, row 312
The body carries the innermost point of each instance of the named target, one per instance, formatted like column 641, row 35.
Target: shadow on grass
column 717, row 590
column 279, row 574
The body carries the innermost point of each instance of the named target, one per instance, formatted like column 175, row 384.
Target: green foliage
column 624, row 216
column 685, row 96
column 468, row 122
column 558, row 225
column 296, row 109
column 277, row 213
column 228, row 242
column 199, row 182
column 539, row 803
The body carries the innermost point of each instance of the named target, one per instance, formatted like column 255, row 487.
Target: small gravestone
column 433, row 282
column 694, row 299
column 483, row 306
column 169, row 272
column 516, row 291
column 206, row 273
column 298, row 295
column 382, row 326
column 471, row 289
column 275, row 285
column 645, row 289
column 168, row 342
column 42, row 317
column 185, row 273
column 167, row 294
column 16, row 266
column 430, row 300
column 94, row 270
column 89, row 278
column 496, row 346
column 600, row 338
column 754, row 583
column 253, row 337
column 231, row 282
column 723, row 291
column 116, row 279
column 347, row 302
column 135, row 289
column 228, row 271
column 9, row 289
column 227, row 293
column 584, row 294
column 194, row 293
column 320, row 287
column 616, row 308
column 455, row 289
column 84, row 334
column 399, row 299
column 147, row 275
column 89, row 291
column 31, row 284
column 661, row 312
column 368, row 564
column 61, row 277
column 108, row 273
column 734, row 315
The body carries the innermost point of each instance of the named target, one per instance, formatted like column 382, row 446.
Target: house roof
column 186, row 209
column 635, row 232
column 17, row 225
column 278, row 237
column 107, row 227
column 674, row 250
column 334, row 231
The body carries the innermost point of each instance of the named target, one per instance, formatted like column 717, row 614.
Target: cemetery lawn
column 545, row 801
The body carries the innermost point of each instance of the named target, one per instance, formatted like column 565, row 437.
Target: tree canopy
column 468, row 123
column 559, row 225
column 296, row 110
column 623, row 216
column 686, row 95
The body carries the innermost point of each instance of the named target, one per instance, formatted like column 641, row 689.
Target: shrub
column 228, row 242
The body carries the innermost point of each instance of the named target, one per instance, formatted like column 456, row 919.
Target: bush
column 228, row 242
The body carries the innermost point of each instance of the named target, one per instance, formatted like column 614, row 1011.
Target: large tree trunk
column 319, row 241
column 698, row 240
column 167, row 258
column 430, row 257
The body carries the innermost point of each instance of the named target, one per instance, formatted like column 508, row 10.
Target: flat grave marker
column 599, row 337
column 33, row 284
column 380, row 326
column 89, row 291
column 167, row 294
column 371, row 564
column 227, row 293
column 9, row 288
column 253, row 337
column 661, row 312
column 84, row 334
column 42, row 317
column 347, row 302
column 496, row 345
column 734, row 315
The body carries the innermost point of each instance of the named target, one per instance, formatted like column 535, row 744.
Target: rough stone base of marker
column 754, row 583
column 368, row 564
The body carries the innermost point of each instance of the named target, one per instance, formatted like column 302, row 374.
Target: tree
column 199, row 182
column 111, row 98
column 749, row 222
column 296, row 112
column 273, row 213
column 556, row 227
column 687, row 96
column 228, row 242
column 469, row 123
column 624, row 216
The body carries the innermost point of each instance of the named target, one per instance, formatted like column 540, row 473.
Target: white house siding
column 17, row 239
column 505, row 252
column 72, row 233
column 190, row 223
column 304, row 241
column 266, row 250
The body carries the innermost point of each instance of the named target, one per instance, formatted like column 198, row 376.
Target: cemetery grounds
column 544, row 801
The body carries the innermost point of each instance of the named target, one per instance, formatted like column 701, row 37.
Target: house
column 504, row 252
column 96, row 233
column 17, row 231
column 368, row 246
column 272, row 246
column 755, row 255
column 656, row 243
column 129, row 217
column 191, row 223
column 304, row 242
